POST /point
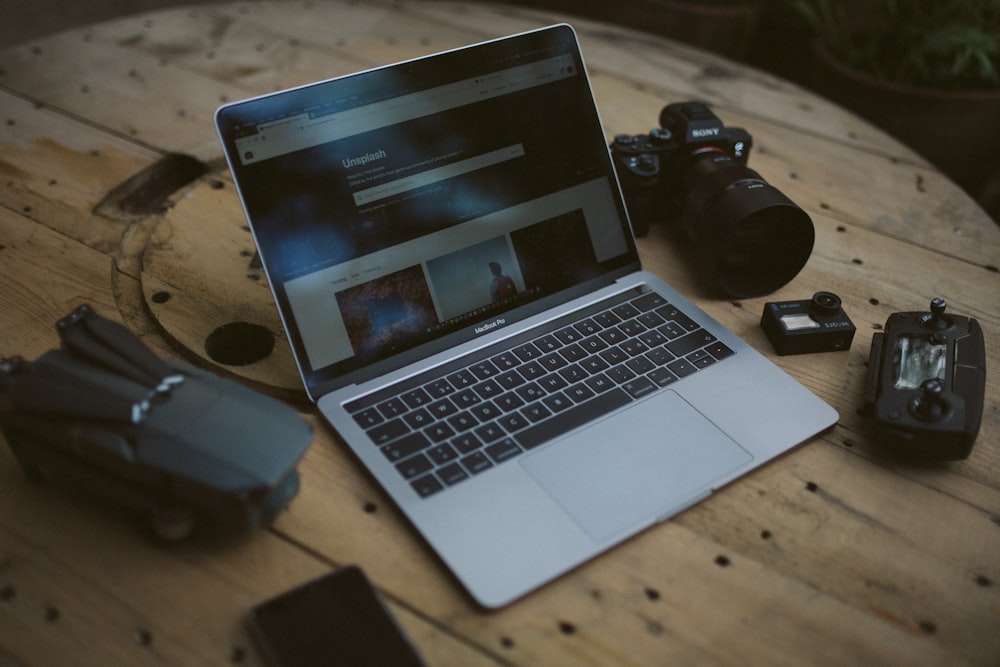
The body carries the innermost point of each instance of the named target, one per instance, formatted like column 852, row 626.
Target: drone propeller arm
column 109, row 344
column 56, row 384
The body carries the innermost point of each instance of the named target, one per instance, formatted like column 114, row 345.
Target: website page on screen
column 396, row 221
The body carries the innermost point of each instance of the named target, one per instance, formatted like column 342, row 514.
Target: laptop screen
column 428, row 202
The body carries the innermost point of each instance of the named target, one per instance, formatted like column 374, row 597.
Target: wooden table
column 113, row 193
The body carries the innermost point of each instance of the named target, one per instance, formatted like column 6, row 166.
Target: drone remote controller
column 927, row 381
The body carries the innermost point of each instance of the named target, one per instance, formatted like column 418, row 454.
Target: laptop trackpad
column 655, row 458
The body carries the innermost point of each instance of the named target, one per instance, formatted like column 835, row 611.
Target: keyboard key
column 548, row 343
column 509, row 401
column 613, row 336
column 462, row 379
column 594, row 364
column 650, row 320
column 632, row 327
column 614, row 355
column 568, row 335
column 573, row 352
column 648, row 301
column 552, row 362
column 390, row 430
column 639, row 387
column 466, row 398
column 682, row 367
column 452, row 474
column 652, row 338
column 438, row 432
column 488, row 389
column 640, row 365
column 392, row 408
column 557, row 402
column 413, row 466
column 573, row 373
column 669, row 312
column 484, row 369
column 512, row 422
column 489, row 432
column 587, row 327
column 671, row 330
column 441, row 409
column 477, row 462
column 607, row 319
column 578, row 393
column 620, row 373
column 466, row 443
column 685, row 345
column 506, row 361
column 418, row 418
column 510, row 379
column 720, row 350
column 634, row 347
column 442, row 454
column 416, row 397
column 530, row 392
column 701, row 359
column 593, row 344
column 552, row 383
column 368, row 417
column 527, row 352
column 463, row 421
column 426, row 486
column 531, row 371
column 660, row 356
column 485, row 411
column 662, row 377
column 599, row 383
column 411, row 444
column 439, row 388
column 625, row 311
column 503, row 450
column 536, row 412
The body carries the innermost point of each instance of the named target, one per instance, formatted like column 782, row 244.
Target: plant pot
column 725, row 28
column 958, row 131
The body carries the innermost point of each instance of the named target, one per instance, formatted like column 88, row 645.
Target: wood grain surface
column 113, row 193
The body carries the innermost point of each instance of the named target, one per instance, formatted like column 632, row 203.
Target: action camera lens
column 825, row 303
column 756, row 239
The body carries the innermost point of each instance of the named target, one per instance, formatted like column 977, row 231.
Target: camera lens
column 754, row 237
column 824, row 303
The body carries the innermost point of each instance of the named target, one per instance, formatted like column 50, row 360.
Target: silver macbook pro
column 450, row 255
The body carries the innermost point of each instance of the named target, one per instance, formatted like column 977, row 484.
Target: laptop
column 450, row 254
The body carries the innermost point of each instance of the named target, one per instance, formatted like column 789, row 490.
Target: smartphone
column 337, row 619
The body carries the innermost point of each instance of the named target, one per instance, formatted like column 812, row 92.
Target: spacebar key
column 567, row 420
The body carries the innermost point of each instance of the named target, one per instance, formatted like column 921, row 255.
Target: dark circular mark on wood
column 239, row 344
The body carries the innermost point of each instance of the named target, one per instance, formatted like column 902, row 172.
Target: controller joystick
column 930, row 405
column 936, row 319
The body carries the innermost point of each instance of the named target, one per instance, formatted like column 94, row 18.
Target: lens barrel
column 754, row 237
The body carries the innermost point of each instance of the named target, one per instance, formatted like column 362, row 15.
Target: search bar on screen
column 438, row 174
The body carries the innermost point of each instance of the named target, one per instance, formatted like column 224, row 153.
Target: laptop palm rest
column 674, row 452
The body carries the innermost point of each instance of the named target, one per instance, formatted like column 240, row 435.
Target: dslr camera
column 692, row 170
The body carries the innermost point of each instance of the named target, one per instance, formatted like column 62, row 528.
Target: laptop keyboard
column 444, row 427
